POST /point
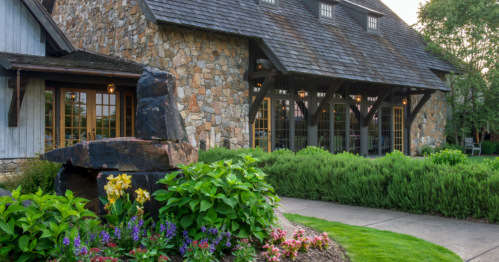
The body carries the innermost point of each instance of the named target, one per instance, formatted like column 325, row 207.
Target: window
column 106, row 120
column 354, row 139
column 270, row 3
column 372, row 134
column 282, row 127
column 324, row 128
column 327, row 11
column 372, row 23
column 49, row 119
column 339, row 143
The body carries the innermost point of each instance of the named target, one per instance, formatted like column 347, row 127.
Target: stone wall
column 10, row 166
column 209, row 67
column 429, row 126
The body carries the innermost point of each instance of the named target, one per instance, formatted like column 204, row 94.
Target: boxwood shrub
column 394, row 181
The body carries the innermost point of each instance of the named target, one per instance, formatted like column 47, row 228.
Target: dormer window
column 270, row 3
column 373, row 22
column 327, row 11
column 367, row 18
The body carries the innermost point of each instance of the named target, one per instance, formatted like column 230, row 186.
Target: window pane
column 105, row 99
column 49, row 96
column 354, row 140
column 372, row 134
column 113, row 122
column 83, row 98
column 113, row 100
column 282, row 124
column 386, row 134
column 339, row 112
column 324, row 128
column 48, row 121
column 98, row 99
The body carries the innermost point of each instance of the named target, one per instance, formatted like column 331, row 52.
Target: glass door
column 261, row 127
column 106, row 121
column 89, row 115
column 75, row 115
column 398, row 128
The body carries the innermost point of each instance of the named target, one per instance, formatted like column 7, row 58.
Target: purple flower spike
column 65, row 241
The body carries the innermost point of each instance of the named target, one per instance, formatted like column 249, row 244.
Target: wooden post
column 227, row 143
column 269, row 80
column 202, row 145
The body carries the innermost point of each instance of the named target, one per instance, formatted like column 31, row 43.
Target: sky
column 405, row 9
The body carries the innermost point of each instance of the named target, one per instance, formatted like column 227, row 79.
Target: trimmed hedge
column 395, row 182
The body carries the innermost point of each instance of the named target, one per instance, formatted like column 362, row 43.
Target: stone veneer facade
column 429, row 126
column 209, row 67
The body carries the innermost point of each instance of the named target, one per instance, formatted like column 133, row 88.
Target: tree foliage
column 466, row 33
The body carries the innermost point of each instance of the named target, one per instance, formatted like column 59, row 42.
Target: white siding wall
column 19, row 31
column 27, row 139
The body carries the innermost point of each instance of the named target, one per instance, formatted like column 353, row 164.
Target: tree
column 466, row 33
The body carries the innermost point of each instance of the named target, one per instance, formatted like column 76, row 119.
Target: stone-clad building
column 346, row 75
column 214, row 48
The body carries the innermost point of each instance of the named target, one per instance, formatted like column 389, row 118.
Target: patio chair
column 470, row 145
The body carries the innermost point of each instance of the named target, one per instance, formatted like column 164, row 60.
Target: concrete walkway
column 471, row 241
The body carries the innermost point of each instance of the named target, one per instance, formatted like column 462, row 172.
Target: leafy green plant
column 199, row 252
column 312, row 150
column 222, row 193
column 488, row 148
column 33, row 232
column 493, row 164
column 282, row 151
column 449, row 146
column 426, row 150
column 451, row 157
column 34, row 174
column 244, row 252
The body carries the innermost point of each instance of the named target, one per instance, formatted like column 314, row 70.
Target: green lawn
column 479, row 159
column 367, row 244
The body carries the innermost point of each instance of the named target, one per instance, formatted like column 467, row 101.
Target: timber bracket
column 267, row 83
column 369, row 117
column 333, row 89
column 426, row 97
column 19, row 85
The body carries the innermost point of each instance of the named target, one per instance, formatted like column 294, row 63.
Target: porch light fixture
column 358, row 98
column 73, row 96
column 404, row 101
column 111, row 88
column 302, row 93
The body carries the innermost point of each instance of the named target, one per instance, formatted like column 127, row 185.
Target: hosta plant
column 31, row 233
column 220, row 194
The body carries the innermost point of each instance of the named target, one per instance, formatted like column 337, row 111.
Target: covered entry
column 299, row 111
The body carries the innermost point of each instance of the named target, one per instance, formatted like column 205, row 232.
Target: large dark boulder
column 157, row 109
column 81, row 181
column 126, row 155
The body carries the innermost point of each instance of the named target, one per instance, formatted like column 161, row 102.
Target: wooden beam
column 414, row 113
column 333, row 88
column 13, row 106
column 262, row 74
column 269, row 80
column 70, row 78
column 381, row 97
column 414, row 92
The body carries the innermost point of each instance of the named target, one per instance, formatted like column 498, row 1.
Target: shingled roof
column 80, row 59
column 303, row 44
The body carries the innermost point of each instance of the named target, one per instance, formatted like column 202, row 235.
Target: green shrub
column 488, row 148
column 449, row 146
column 449, row 156
column 395, row 181
column 426, row 150
column 31, row 233
column 282, row 151
column 493, row 164
column 34, row 174
column 312, row 150
column 220, row 194
column 220, row 153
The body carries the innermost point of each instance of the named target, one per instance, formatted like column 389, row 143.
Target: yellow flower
column 126, row 180
column 111, row 178
column 142, row 196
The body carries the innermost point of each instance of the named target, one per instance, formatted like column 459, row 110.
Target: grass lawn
column 479, row 159
column 367, row 244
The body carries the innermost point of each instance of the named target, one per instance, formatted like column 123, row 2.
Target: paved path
column 471, row 241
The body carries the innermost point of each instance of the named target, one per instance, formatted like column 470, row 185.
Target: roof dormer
column 325, row 10
column 367, row 18
column 274, row 4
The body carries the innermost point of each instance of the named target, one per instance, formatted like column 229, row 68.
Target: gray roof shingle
column 304, row 44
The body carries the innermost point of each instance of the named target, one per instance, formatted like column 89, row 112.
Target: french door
column 262, row 127
column 88, row 115
column 398, row 128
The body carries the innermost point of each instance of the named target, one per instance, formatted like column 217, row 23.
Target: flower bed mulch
column 335, row 253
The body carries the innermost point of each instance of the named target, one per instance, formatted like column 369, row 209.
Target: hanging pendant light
column 404, row 101
column 358, row 98
column 111, row 88
column 302, row 93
